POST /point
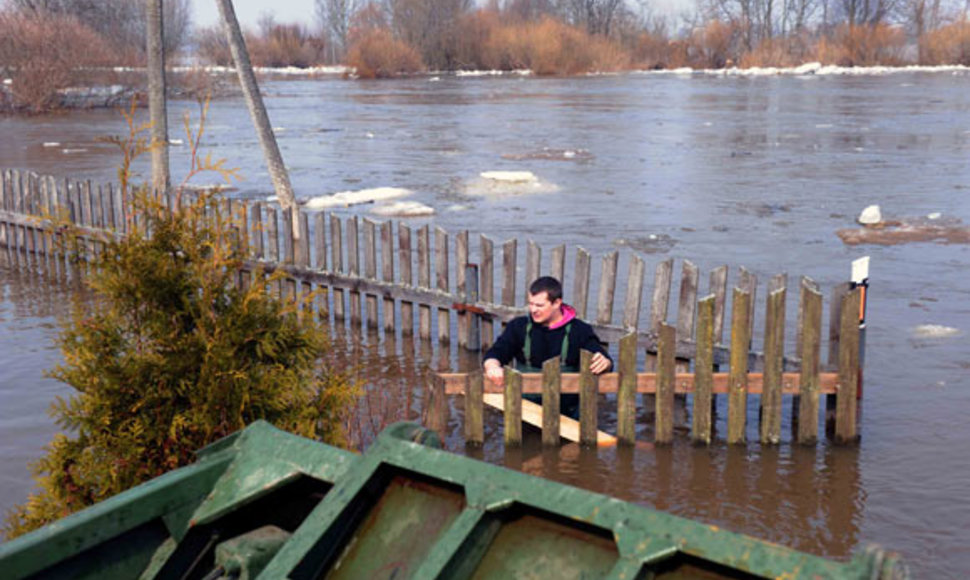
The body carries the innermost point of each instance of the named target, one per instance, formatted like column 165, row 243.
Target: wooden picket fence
column 404, row 280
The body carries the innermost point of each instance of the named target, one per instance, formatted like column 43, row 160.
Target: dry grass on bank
column 947, row 45
column 377, row 54
column 42, row 54
column 880, row 44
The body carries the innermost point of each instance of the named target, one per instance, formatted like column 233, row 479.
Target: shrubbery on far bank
column 42, row 53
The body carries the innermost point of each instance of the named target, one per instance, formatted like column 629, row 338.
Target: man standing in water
column 551, row 329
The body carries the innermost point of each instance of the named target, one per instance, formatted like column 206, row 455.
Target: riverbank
column 220, row 81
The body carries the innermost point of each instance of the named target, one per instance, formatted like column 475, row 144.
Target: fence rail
column 422, row 282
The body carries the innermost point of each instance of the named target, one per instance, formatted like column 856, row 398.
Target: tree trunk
column 257, row 110
column 155, row 50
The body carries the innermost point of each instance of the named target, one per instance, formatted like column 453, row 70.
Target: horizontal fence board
column 646, row 383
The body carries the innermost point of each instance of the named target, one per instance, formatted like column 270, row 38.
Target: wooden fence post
column 424, row 280
column 320, row 264
column 487, row 288
column 303, row 260
column 337, row 265
column 508, row 272
column 353, row 266
column 533, row 267
column 387, row 272
column 607, row 290
column 441, row 276
column 770, row 425
column 704, row 371
column 404, row 260
column 634, row 294
column 738, row 379
column 461, row 285
column 588, row 400
column 847, row 396
column 474, row 409
column 811, row 340
column 666, row 361
column 370, row 269
column 473, row 328
column 513, row 407
column 551, row 389
column 581, row 282
column 626, row 398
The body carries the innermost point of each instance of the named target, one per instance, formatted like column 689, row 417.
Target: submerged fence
column 423, row 283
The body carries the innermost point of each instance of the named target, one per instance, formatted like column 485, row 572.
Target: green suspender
column 527, row 349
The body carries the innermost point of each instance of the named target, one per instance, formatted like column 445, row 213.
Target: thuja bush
column 172, row 355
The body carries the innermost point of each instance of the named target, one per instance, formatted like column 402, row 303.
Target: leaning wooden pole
column 157, row 110
column 257, row 110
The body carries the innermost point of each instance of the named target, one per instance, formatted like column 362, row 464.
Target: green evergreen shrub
column 172, row 355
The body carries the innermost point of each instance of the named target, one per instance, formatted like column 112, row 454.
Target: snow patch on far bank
column 810, row 69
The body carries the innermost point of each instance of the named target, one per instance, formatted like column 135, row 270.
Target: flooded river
column 758, row 172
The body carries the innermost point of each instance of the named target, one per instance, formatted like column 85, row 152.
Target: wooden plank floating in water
column 569, row 428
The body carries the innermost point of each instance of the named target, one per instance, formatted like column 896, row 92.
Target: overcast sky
column 206, row 13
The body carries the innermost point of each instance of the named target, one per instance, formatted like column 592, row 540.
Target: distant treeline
column 46, row 45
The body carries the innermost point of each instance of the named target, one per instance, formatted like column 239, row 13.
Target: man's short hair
column 549, row 285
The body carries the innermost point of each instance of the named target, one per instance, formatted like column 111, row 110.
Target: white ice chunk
column 934, row 331
column 403, row 209
column 51, row 144
column 348, row 198
column 870, row 215
column 934, row 216
column 510, row 176
column 507, row 183
column 807, row 68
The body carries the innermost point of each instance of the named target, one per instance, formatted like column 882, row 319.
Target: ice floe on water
column 510, row 176
column 403, row 209
column 550, row 154
column 51, row 144
column 507, row 183
column 935, row 331
column 648, row 244
column 349, row 198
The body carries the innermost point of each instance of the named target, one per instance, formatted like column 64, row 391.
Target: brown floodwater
column 759, row 172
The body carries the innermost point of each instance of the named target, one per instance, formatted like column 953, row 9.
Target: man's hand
column 599, row 363
column 494, row 372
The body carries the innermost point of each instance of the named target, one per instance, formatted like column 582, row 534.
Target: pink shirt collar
column 568, row 313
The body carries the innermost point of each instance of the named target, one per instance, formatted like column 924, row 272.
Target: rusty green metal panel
column 271, row 505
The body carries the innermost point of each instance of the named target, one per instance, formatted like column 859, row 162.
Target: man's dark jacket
column 546, row 343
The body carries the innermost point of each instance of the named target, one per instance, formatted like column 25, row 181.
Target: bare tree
column 429, row 26
column 866, row 12
column 334, row 18
column 596, row 16
column 121, row 21
column 158, row 112
column 257, row 110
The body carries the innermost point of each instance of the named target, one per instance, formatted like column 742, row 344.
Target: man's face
column 542, row 309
